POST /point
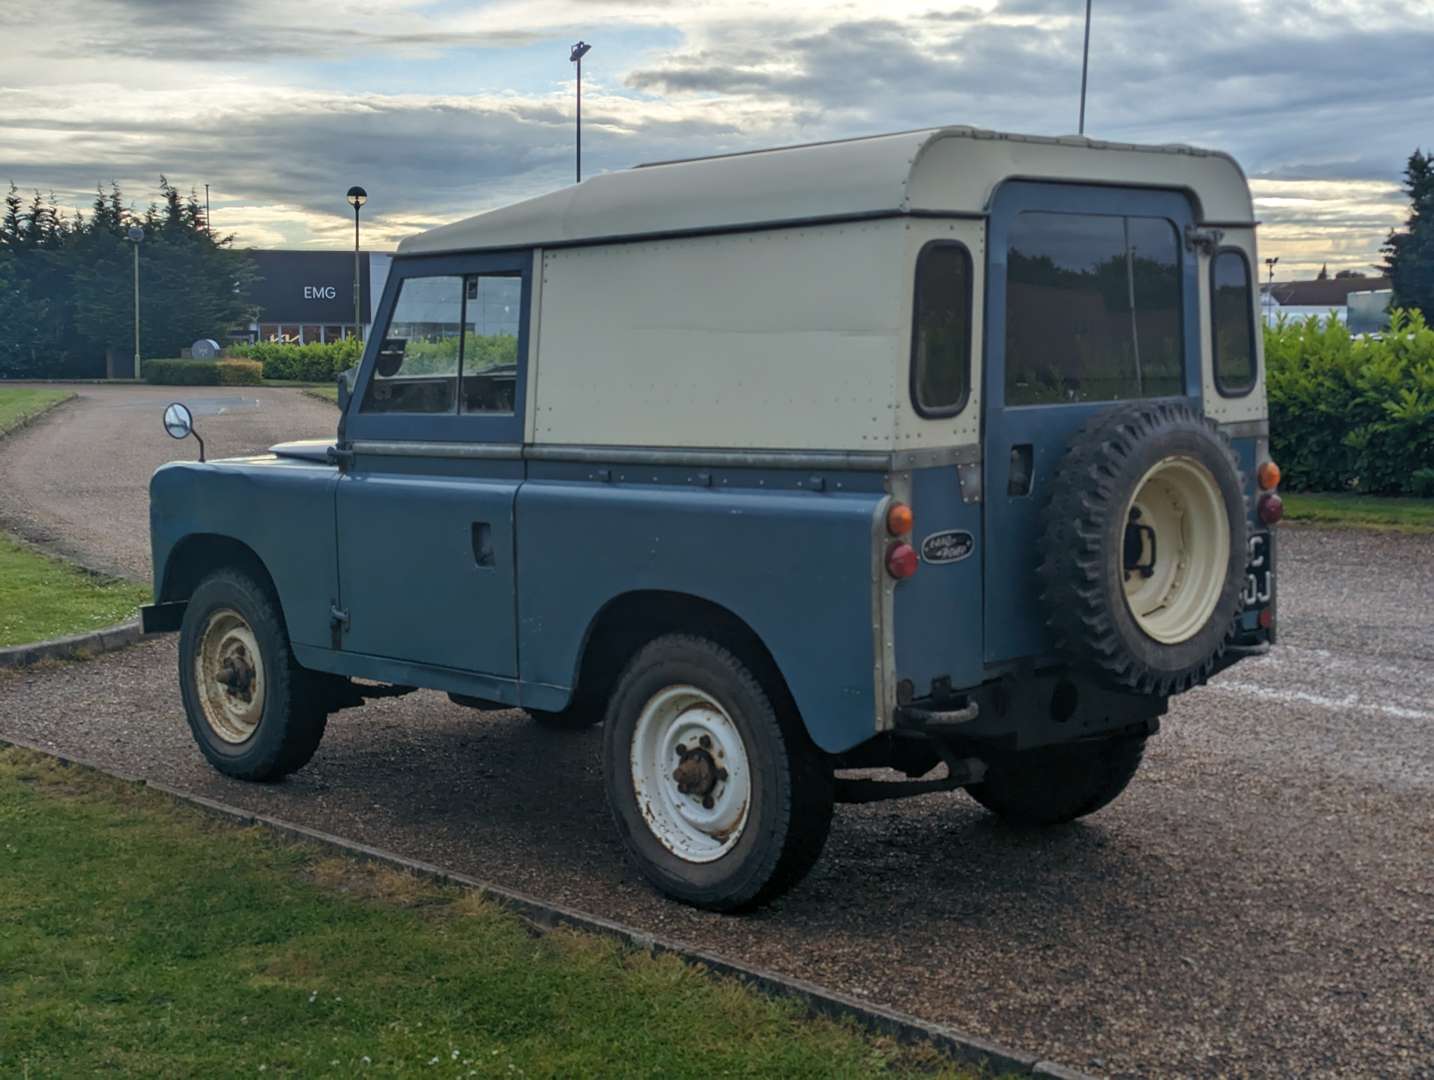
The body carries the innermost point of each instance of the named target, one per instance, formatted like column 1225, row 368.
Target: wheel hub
column 229, row 676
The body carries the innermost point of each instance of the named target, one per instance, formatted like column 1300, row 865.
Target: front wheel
column 254, row 712
column 717, row 792
column 1055, row 784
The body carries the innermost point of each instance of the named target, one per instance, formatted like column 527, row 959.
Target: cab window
column 416, row 370
column 1232, row 311
column 1093, row 309
column 941, row 330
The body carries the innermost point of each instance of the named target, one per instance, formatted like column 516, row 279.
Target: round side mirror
column 178, row 421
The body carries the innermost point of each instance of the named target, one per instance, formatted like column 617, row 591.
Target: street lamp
column 1084, row 66
column 576, row 56
column 1270, row 289
column 135, row 237
column 357, row 196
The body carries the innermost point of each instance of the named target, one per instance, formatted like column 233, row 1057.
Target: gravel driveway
column 1260, row 902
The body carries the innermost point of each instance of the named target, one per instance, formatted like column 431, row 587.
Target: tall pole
column 1084, row 66
column 136, row 311
column 580, row 120
column 358, row 324
column 207, row 227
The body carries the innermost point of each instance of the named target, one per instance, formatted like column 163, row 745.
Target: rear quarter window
column 941, row 330
column 1232, row 314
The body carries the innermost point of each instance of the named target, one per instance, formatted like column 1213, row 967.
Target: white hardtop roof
column 950, row 170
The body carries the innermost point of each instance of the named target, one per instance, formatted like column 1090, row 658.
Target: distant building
column 308, row 296
column 1300, row 299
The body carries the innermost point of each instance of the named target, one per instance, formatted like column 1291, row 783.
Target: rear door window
column 941, row 330
column 1093, row 309
column 1232, row 310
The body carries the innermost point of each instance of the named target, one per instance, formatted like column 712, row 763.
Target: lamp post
column 1084, row 66
column 1270, row 288
column 135, row 236
column 357, row 196
column 576, row 56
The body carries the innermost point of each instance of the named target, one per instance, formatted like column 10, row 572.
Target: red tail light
column 1271, row 508
column 901, row 561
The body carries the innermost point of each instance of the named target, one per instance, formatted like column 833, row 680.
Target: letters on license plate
column 1259, row 575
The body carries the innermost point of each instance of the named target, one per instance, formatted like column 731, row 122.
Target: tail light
column 899, row 519
column 901, row 561
column 1271, row 508
column 1268, row 476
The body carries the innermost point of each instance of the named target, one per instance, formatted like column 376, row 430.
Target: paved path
column 1261, row 901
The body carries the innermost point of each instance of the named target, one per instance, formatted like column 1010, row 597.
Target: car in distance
column 943, row 451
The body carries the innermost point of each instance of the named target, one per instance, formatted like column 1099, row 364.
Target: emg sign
column 307, row 287
column 320, row 292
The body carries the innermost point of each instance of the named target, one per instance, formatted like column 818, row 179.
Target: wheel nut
column 707, row 802
column 681, row 748
column 706, row 742
column 721, row 775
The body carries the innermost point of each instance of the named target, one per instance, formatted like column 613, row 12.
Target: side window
column 941, row 330
column 418, row 358
column 1093, row 309
column 491, row 322
column 1232, row 331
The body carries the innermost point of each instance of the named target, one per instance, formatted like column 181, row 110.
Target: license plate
column 1259, row 574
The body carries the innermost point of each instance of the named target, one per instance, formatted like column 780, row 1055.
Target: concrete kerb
column 543, row 916
column 75, row 647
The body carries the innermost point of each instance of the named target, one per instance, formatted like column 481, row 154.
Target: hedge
column 202, row 372
column 1352, row 413
column 301, row 363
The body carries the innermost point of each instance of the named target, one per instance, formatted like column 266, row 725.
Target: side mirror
column 179, row 424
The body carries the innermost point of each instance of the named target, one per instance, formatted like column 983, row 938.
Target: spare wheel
column 1144, row 547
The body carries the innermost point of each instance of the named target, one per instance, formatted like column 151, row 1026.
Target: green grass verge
column 42, row 597
column 1365, row 511
column 142, row 938
column 326, row 391
column 20, row 404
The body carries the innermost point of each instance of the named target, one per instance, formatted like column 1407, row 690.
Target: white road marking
column 1349, row 701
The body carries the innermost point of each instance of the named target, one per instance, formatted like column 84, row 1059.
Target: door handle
column 483, row 544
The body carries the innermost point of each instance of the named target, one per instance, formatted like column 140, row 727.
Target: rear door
column 1092, row 299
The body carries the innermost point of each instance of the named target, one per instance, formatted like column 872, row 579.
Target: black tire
column 294, row 708
column 1083, row 568
column 790, row 804
column 1053, row 785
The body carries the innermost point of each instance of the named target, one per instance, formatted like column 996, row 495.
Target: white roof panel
column 939, row 170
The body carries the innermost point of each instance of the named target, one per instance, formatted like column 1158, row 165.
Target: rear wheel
column 253, row 711
column 717, row 792
column 1056, row 784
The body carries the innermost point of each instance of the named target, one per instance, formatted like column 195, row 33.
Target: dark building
column 308, row 296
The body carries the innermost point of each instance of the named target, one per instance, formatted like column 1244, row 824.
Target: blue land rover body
column 944, row 451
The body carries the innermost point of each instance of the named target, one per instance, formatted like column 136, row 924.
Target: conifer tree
column 1409, row 255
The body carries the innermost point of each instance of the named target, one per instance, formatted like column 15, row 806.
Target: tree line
column 67, row 283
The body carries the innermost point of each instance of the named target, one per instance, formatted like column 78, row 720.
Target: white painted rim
column 1179, row 499
column 229, row 676
column 677, row 723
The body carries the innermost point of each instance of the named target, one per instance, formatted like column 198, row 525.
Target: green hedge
column 1352, row 413
column 301, row 363
column 202, row 372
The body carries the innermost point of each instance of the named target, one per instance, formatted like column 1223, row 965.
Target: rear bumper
column 162, row 618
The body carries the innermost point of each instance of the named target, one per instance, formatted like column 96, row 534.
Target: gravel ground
column 1260, row 902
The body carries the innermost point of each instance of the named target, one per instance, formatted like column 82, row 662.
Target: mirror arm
column 199, row 441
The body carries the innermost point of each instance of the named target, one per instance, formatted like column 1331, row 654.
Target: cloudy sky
column 442, row 109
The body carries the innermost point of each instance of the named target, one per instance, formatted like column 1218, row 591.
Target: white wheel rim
column 229, row 675
column 1172, row 595
column 690, row 774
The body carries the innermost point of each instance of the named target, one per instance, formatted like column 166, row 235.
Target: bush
column 202, row 372
column 301, row 363
column 1352, row 413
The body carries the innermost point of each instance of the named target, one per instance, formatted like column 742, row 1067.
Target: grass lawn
column 327, row 391
column 42, row 598
column 1370, row 511
column 19, row 403
column 138, row 937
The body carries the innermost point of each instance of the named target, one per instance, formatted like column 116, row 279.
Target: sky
column 445, row 109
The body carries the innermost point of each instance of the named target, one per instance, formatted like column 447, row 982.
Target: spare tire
column 1144, row 547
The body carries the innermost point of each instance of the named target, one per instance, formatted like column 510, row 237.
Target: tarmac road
column 1260, row 902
